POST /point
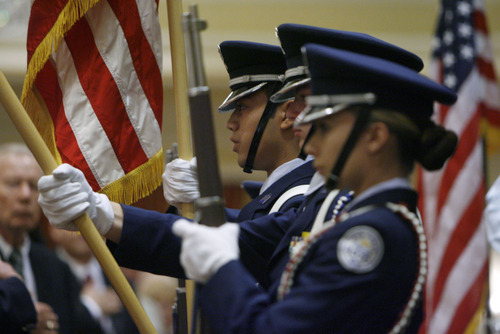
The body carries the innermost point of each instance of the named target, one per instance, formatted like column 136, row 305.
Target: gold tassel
column 492, row 134
column 137, row 184
column 133, row 186
column 32, row 102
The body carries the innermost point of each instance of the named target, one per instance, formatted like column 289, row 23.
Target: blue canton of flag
column 454, row 42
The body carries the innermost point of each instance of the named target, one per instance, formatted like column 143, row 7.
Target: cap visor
column 229, row 103
column 288, row 91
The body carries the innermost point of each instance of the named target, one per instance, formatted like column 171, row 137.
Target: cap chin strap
column 303, row 154
column 362, row 118
column 254, row 145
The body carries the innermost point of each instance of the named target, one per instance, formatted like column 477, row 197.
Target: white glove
column 180, row 182
column 66, row 195
column 491, row 215
column 206, row 249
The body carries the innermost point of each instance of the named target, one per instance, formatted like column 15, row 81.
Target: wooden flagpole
column 181, row 104
column 41, row 152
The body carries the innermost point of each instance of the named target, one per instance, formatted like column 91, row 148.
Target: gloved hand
column 206, row 249
column 180, row 182
column 491, row 215
column 66, row 195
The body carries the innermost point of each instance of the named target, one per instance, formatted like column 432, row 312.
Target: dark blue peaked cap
column 337, row 72
column 293, row 36
column 250, row 67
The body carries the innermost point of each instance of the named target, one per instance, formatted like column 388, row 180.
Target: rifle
column 209, row 208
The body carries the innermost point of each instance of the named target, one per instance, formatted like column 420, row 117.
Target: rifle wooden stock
column 41, row 152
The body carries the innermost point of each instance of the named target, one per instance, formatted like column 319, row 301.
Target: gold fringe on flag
column 32, row 102
column 138, row 183
column 477, row 321
column 492, row 134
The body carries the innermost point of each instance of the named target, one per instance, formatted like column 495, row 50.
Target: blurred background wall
column 407, row 23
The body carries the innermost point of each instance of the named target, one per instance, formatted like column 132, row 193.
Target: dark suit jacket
column 58, row 287
column 122, row 321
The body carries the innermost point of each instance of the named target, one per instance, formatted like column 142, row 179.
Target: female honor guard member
column 363, row 270
column 297, row 80
column 369, row 288
column 297, row 86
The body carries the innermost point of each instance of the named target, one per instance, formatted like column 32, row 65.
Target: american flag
column 452, row 200
column 94, row 90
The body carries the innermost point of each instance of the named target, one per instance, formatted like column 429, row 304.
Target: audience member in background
column 97, row 293
column 157, row 295
column 50, row 282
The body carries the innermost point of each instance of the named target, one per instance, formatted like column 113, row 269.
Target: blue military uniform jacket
column 17, row 312
column 265, row 242
column 252, row 188
column 321, row 283
column 325, row 296
column 262, row 204
column 148, row 235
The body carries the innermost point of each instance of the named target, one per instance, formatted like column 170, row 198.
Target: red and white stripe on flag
column 94, row 90
column 452, row 199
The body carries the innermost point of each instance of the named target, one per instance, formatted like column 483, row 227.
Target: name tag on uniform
column 264, row 199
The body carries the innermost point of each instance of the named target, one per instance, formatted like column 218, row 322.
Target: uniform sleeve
column 259, row 239
column 231, row 214
column 17, row 312
column 147, row 243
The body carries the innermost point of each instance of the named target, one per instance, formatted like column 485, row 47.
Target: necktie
column 16, row 260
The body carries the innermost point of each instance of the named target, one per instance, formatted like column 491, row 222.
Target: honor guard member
column 263, row 138
column 297, row 80
column 363, row 270
column 135, row 235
